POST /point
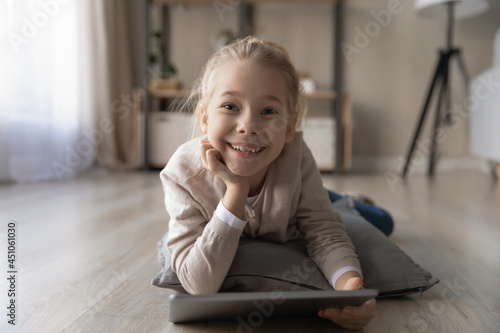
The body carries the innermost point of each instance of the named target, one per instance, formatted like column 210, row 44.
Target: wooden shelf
column 322, row 94
column 210, row 2
column 169, row 93
column 291, row 1
column 182, row 93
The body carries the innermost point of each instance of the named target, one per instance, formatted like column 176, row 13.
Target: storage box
column 168, row 131
column 319, row 134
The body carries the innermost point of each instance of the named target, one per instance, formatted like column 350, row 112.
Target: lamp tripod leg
column 456, row 53
column 495, row 169
column 448, row 117
column 463, row 69
column 437, row 75
column 442, row 98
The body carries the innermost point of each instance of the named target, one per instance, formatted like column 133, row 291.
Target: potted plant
column 167, row 70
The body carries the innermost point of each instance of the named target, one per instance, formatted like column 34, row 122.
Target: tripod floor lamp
column 449, row 10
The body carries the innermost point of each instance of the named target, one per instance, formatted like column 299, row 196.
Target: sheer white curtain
column 47, row 97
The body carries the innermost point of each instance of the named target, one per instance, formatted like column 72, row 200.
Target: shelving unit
column 174, row 93
column 341, row 107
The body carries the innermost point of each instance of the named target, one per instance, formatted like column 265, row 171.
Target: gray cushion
column 261, row 265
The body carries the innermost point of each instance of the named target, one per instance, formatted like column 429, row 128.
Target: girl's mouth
column 246, row 150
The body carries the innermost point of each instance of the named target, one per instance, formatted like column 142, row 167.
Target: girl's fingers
column 215, row 166
column 211, row 157
column 213, row 160
column 351, row 317
column 204, row 147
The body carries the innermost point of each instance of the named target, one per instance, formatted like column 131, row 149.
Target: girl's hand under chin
column 212, row 161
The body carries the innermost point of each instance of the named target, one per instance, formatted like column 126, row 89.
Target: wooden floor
column 86, row 255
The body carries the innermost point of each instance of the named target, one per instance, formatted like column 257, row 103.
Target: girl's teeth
column 245, row 150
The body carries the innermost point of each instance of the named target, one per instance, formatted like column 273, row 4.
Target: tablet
column 261, row 305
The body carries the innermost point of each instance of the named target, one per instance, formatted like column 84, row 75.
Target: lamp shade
column 463, row 8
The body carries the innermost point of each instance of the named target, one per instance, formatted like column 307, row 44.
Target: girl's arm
column 202, row 246
column 236, row 187
column 329, row 245
column 327, row 242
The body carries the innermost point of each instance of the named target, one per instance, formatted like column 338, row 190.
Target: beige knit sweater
column 291, row 205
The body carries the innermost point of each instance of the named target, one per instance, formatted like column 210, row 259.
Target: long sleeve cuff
column 229, row 218
column 343, row 270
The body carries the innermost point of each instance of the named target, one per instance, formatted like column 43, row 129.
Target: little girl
column 250, row 173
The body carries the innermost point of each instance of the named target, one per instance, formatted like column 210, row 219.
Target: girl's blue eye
column 270, row 111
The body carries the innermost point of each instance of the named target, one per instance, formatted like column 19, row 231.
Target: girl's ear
column 290, row 129
column 203, row 120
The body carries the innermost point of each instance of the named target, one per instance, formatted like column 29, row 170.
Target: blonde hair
column 259, row 52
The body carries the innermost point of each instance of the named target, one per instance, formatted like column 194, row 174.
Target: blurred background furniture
column 485, row 117
column 335, row 155
column 449, row 10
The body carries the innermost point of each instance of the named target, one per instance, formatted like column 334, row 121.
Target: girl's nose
column 248, row 124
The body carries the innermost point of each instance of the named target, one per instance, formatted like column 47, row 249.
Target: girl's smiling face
column 246, row 118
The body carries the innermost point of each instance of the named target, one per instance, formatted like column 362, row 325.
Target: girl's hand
column 352, row 317
column 236, row 187
column 212, row 161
